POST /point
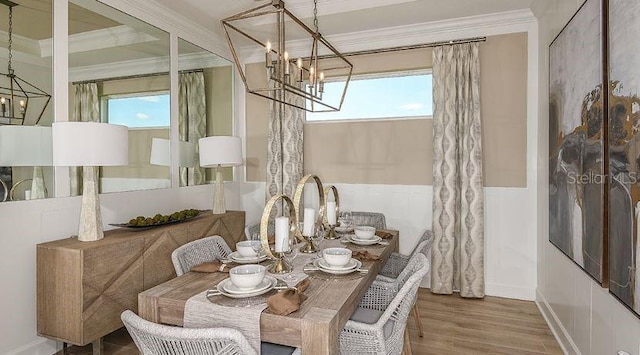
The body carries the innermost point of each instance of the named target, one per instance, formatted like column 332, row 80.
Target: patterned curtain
column 192, row 121
column 86, row 108
column 285, row 144
column 457, row 259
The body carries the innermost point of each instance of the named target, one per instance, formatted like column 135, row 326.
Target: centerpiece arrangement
column 159, row 219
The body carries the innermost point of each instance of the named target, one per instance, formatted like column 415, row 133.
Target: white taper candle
column 331, row 212
column 282, row 234
column 309, row 222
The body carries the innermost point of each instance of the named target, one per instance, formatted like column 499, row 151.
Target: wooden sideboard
column 83, row 287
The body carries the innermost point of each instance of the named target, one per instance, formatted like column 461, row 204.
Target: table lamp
column 219, row 152
column 27, row 146
column 90, row 145
column 161, row 153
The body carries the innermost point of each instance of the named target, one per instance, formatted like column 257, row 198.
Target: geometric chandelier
column 296, row 64
column 20, row 101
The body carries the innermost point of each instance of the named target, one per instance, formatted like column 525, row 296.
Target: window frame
column 378, row 75
column 104, row 106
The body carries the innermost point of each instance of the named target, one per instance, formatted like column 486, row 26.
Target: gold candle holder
column 309, row 246
column 280, row 265
column 331, row 234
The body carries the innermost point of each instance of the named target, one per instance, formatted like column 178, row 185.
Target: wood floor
column 452, row 325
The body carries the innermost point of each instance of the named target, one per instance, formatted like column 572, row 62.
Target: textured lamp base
column 218, row 194
column 38, row 191
column 331, row 233
column 90, row 228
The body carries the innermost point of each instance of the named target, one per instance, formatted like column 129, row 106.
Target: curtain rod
column 409, row 47
column 135, row 76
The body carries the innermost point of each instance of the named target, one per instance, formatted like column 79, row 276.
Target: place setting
column 364, row 236
column 248, row 252
column 335, row 262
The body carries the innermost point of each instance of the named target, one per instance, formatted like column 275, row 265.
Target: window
column 380, row 96
column 141, row 110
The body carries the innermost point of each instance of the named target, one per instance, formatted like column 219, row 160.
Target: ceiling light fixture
column 298, row 62
column 16, row 94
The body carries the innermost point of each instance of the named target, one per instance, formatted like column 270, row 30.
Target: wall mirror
column 205, row 105
column 26, row 112
column 119, row 73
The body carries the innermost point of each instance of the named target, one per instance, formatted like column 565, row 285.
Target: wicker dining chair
column 199, row 251
column 157, row 339
column 378, row 324
column 397, row 263
column 373, row 219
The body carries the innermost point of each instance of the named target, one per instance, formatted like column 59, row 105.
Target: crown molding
column 436, row 31
column 200, row 61
column 20, row 43
column 117, row 69
column 99, row 39
column 145, row 66
column 166, row 19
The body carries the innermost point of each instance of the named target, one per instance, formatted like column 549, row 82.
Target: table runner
column 199, row 312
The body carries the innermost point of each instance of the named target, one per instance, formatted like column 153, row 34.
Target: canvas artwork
column 624, row 152
column 576, row 144
column 5, row 175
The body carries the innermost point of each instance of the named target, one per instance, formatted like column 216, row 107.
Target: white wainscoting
column 509, row 227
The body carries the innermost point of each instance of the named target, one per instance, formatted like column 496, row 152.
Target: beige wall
column 219, row 96
column 400, row 151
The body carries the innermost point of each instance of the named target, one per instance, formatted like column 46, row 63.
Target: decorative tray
column 160, row 220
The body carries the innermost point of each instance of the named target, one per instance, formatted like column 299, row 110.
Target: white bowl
column 246, row 277
column 364, row 232
column 337, row 256
column 245, row 248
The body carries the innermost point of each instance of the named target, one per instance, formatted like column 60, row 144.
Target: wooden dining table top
column 315, row 327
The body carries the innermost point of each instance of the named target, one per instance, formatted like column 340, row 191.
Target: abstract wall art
column 577, row 166
column 624, row 152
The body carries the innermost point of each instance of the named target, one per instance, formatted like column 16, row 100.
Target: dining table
column 315, row 327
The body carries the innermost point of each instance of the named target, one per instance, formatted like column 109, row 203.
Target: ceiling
column 346, row 16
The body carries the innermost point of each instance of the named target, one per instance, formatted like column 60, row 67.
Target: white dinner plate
column 350, row 265
column 316, row 263
column 230, row 287
column 222, row 289
column 235, row 256
column 355, row 240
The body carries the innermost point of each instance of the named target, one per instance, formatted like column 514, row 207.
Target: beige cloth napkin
column 199, row 312
column 288, row 301
column 364, row 255
column 214, row 266
column 384, row 235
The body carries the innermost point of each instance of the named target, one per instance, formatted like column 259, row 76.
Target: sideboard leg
column 97, row 346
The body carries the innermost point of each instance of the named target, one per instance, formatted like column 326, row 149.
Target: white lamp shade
column 220, row 151
column 25, row 146
column 90, row 144
column 161, row 153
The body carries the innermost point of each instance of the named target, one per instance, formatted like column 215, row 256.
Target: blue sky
column 141, row 111
column 406, row 96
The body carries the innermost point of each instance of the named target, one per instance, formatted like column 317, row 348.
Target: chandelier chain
column 10, row 38
column 315, row 14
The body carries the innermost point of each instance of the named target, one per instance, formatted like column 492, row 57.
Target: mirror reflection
column 25, row 110
column 205, row 108
column 119, row 73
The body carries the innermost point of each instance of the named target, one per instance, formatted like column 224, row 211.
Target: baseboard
column 513, row 292
column 41, row 346
column 558, row 330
